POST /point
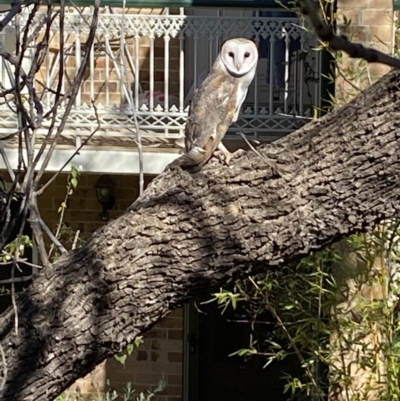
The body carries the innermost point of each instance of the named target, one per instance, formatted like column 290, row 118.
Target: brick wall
column 160, row 356
column 96, row 77
column 83, row 211
column 372, row 25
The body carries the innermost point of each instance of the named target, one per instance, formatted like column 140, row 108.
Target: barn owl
column 217, row 102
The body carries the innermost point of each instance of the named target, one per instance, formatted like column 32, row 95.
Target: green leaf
column 130, row 348
column 138, row 341
column 234, row 303
column 74, row 182
column 121, row 359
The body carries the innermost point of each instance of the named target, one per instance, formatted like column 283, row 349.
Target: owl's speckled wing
column 211, row 113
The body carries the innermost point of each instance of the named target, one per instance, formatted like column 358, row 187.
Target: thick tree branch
column 336, row 42
column 190, row 231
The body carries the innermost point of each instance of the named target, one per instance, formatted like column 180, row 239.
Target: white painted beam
column 101, row 161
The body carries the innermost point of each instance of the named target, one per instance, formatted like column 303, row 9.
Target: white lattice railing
column 167, row 57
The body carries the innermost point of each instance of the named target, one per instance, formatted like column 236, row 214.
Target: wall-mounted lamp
column 105, row 194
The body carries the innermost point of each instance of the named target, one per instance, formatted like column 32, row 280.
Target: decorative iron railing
column 165, row 58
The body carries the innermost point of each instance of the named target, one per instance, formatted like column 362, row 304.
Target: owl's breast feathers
column 210, row 115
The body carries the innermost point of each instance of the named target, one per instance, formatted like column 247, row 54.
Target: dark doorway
column 213, row 375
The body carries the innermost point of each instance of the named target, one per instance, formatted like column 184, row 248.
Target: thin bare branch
column 5, row 92
column 124, row 82
column 52, row 91
column 35, row 221
column 11, row 59
column 269, row 162
column 58, row 96
column 346, row 79
column 23, row 117
column 76, row 85
column 33, row 100
column 4, row 367
column 16, row 7
column 354, row 50
column 60, row 170
column 38, row 26
column 5, row 216
column 52, row 237
column 75, row 239
column 7, row 163
column 77, row 150
column 25, row 262
column 61, row 66
column 14, row 303
column 15, row 279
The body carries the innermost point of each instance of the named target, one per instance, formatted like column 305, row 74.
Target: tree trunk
column 189, row 231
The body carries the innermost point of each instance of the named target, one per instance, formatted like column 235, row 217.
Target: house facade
column 373, row 23
column 152, row 74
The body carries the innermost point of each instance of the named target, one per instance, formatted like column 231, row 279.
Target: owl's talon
column 221, row 156
column 230, row 156
column 225, row 156
column 239, row 152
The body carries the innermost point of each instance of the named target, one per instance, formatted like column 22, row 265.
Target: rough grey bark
column 188, row 231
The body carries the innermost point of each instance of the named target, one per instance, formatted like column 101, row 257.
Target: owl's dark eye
column 246, row 55
column 230, row 54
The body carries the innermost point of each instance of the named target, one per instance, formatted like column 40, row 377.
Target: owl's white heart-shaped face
column 239, row 56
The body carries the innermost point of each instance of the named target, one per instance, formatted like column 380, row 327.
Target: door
column 213, row 375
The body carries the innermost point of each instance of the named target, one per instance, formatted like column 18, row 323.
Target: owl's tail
column 196, row 155
column 195, row 158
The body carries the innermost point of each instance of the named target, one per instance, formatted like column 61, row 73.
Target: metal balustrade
column 165, row 58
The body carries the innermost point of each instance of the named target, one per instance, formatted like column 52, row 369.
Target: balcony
column 168, row 54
